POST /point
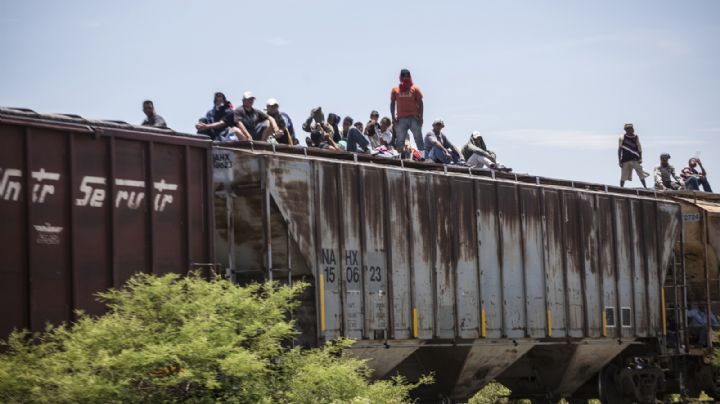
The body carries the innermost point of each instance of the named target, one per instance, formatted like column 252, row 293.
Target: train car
column 547, row 286
column 85, row 204
column 695, row 289
column 554, row 288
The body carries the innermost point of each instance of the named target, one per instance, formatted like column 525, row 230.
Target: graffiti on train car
column 92, row 189
column 10, row 185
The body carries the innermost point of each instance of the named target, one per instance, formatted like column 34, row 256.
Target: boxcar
column 467, row 273
column 85, row 204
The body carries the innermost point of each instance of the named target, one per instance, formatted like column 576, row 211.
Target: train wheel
column 608, row 389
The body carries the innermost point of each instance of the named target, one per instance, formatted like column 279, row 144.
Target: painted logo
column 48, row 234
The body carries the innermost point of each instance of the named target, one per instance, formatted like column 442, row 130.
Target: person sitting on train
column 356, row 142
column 214, row 123
column 693, row 179
column 257, row 123
column 665, row 177
column 438, row 147
column 283, row 122
column 322, row 135
column 151, row 118
column 372, row 129
column 477, row 155
column 697, row 323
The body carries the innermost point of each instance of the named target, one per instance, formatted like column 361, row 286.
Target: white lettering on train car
column 93, row 189
column 39, row 191
column 161, row 200
column 132, row 197
column 9, row 187
column 92, row 193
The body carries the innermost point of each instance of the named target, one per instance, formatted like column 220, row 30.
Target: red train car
column 86, row 204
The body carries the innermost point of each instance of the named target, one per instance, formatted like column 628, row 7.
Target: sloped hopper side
column 452, row 273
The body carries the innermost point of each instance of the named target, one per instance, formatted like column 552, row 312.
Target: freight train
column 556, row 289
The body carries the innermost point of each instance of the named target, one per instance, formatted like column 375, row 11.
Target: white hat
column 438, row 121
column 247, row 95
column 475, row 135
column 271, row 101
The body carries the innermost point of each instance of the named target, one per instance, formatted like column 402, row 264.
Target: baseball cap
column 628, row 126
column 247, row 95
column 272, row 101
column 475, row 135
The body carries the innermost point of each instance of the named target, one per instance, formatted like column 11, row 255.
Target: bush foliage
column 185, row 339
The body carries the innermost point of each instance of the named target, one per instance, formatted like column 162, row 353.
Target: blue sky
column 549, row 83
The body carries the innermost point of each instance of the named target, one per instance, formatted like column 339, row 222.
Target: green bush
column 173, row 339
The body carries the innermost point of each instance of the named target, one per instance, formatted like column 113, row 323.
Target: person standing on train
column 151, row 118
column 693, row 178
column 630, row 156
column 409, row 114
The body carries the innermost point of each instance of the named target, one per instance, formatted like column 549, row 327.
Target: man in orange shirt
column 409, row 115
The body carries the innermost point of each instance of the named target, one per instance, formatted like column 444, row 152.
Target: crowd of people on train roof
column 389, row 137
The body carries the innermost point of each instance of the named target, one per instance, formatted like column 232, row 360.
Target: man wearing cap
column 283, row 122
column 257, row 123
column 409, row 114
column 665, row 177
column 693, row 179
column 630, row 156
column 437, row 146
column 477, row 155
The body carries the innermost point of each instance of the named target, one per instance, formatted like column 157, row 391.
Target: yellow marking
column 415, row 323
column 604, row 323
column 322, row 303
column 483, row 323
column 664, row 319
column 549, row 318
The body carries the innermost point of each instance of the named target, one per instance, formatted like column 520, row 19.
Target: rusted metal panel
column 331, row 259
column 490, row 270
column 607, row 266
column 352, row 252
column 573, row 269
column 444, row 267
column 466, row 268
column 638, row 270
column 554, row 270
column 418, row 189
column 375, row 277
column 623, row 240
column 397, row 210
column 510, row 242
column 589, row 263
column 85, row 207
column 534, row 262
column 649, row 249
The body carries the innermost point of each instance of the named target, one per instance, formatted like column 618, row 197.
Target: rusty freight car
column 467, row 273
column 85, row 204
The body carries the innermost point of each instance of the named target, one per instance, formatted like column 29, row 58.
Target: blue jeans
column 436, row 154
column 693, row 183
column 403, row 125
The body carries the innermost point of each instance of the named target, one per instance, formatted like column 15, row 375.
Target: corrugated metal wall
column 407, row 253
column 84, row 207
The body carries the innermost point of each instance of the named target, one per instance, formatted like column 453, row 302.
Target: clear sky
column 549, row 83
